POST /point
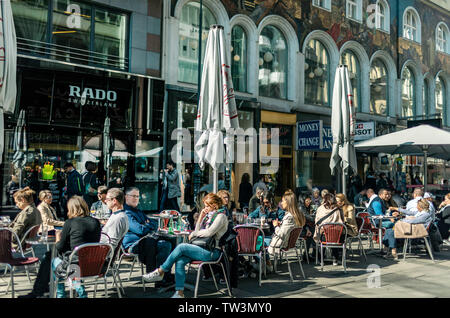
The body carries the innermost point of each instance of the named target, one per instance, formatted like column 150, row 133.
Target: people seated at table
column 292, row 218
column 329, row 212
column 305, row 206
column 389, row 200
column 443, row 215
column 28, row 217
column 193, row 215
column 100, row 206
column 411, row 205
column 80, row 228
column 423, row 216
column 48, row 213
column 255, row 200
column 228, row 204
column 349, row 214
column 315, row 197
column 117, row 225
column 361, row 198
column 268, row 208
column 430, row 197
column 212, row 222
column 152, row 250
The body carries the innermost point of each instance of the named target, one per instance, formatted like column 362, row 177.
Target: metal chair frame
column 342, row 245
column 364, row 232
column 135, row 257
column 11, row 267
column 101, row 274
column 261, row 255
column 217, row 262
column 427, row 240
column 358, row 237
column 292, row 240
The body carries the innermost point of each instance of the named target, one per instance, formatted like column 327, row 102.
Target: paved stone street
column 417, row 277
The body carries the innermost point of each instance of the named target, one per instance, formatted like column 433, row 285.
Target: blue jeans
column 76, row 284
column 389, row 239
column 184, row 254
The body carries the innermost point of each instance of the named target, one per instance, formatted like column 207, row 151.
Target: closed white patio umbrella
column 8, row 66
column 343, row 156
column 217, row 106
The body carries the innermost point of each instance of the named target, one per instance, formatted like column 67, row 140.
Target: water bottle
column 171, row 226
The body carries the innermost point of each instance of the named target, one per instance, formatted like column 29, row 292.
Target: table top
column 382, row 217
column 40, row 240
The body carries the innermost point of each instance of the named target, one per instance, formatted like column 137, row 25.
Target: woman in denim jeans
column 212, row 222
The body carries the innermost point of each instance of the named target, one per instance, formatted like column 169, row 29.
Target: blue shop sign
column 327, row 139
column 309, row 135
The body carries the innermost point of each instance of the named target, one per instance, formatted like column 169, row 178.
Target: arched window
column 317, row 74
column 273, row 67
column 440, row 97
column 188, row 40
column 426, row 97
column 408, row 93
column 239, row 58
column 378, row 88
column 411, row 25
column 442, row 34
column 349, row 58
column 382, row 15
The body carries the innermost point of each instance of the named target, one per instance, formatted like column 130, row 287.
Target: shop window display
column 378, row 88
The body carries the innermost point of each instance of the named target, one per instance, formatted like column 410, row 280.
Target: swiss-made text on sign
column 309, row 135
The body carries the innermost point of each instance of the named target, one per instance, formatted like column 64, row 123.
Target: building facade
column 284, row 56
column 80, row 62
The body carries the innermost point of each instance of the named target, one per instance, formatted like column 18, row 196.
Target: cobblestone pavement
column 417, row 277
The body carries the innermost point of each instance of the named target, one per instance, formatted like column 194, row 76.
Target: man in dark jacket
column 152, row 251
column 74, row 181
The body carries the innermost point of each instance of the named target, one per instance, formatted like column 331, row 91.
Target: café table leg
column 52, row 289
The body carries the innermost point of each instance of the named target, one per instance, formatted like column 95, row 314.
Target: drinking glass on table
column 44, row 233
column 263, row 220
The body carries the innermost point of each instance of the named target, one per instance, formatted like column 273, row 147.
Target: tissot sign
column 364, row 131
column 92, row 96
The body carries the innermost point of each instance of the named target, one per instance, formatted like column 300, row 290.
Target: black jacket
column 74, row 184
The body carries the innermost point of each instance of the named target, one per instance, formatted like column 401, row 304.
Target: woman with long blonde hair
column 293, row 217
column 349, row 214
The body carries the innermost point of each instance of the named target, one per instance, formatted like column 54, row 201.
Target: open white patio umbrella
column 423, row 140
column 343, row 156
column 8, row 66
column 20, row 145
column 217, row 105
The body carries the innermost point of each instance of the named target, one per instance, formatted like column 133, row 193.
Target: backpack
column 87, row 187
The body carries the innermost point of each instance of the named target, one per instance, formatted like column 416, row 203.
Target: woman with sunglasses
column 267, row 209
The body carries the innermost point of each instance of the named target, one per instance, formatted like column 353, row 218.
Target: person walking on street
column 173, row 186
column 245, row 191
column 90, row 183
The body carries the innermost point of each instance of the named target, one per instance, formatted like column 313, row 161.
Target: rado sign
column 92, row 96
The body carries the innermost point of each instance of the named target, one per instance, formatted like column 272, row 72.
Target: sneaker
column 176, row 295
column 335, row 262
column 222, row 281
column 153, row 277
column 446, row 242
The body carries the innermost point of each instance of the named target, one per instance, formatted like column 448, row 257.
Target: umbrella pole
column 344, row 185
column 425, row 170
column 215, row 180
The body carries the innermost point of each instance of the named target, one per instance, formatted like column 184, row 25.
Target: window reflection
column 440, row 96
column 317, row 73
column 239, row 59
column 408, row 93
column 349, row 58
column 378, row 88
column 188, row 40
column 272, row 63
